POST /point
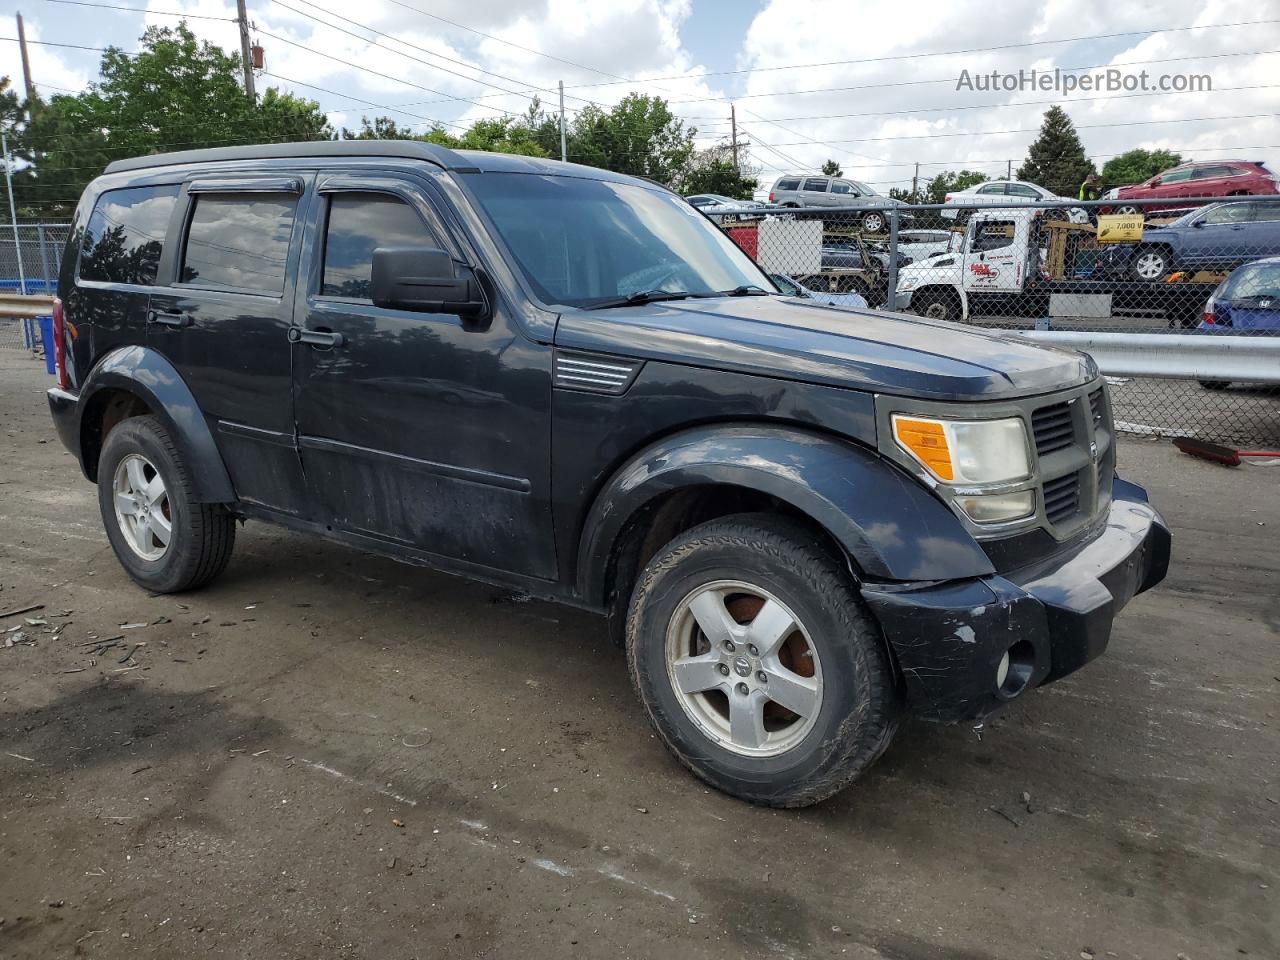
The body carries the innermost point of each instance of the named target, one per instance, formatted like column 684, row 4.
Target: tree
column 950, row 181
column 177, row 93
column 1056, row 160
column 1137, row 165
column 713, row 171
column 832, row 169
column 639, row 136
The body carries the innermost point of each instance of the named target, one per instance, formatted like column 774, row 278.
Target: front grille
column 1052, row 428
column 1095, row 406
column 1061, row 498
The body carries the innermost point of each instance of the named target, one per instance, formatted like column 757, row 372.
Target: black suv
column 799, row 519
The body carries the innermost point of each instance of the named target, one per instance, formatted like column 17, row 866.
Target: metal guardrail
column 1172, row 356
column 27, row 307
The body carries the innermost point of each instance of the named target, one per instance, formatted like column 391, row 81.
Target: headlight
column 966, row 451
column 909, row 282
column 997, row 507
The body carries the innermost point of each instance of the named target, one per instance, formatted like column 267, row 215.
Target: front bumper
column 1051, row 618
column 901, row 300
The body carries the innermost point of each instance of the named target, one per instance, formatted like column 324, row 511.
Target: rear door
column 223, row 319
column 421, row 429
column 814, row 190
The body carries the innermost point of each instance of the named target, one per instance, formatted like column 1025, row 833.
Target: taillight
column 947, row 198
column 771, row 200
column 1210, row 314
column 59, row 348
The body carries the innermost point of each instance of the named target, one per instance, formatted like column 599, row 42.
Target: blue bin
column 46, row 336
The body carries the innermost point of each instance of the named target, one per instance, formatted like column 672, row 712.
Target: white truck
column 1026, row 263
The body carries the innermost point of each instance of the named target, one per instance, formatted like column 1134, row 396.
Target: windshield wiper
column 642, row 297
column 746, row 290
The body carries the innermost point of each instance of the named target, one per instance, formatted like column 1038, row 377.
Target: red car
column 1212, row 178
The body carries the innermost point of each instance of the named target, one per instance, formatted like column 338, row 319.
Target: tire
column 1150, row 264
column 137, row 453
column 1128, row 210
column 757, row 565
column 873, row 222
column 937, row 305
column 1215, row 384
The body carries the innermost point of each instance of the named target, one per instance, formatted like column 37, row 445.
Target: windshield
column 862, row 188
column 586, row 242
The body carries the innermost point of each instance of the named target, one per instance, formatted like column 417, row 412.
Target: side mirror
column 424, row 279
column 1154, row 182
column 1197, row 223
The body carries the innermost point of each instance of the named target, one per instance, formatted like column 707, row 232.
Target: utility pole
column 246, row 53
column 1008, row 169
column 13, row 213
column 733, row 125
column 563, row 153
column 26, row 66
column 915, row 178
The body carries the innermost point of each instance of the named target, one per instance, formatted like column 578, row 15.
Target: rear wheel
column 758, row 663
column 164, row 539
column 1127, row 210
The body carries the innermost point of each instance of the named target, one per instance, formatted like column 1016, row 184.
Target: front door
column 419, row 429
column 222, row 319
column 992, row 255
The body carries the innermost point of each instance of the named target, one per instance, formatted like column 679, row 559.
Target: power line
column 935, row 53
column 158, row 13
column 915, row 83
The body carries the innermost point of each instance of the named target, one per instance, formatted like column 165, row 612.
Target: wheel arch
column 949, row 290
column 888, row 525
column 136, row 381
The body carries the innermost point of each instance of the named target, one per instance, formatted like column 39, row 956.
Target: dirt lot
column 330, row 755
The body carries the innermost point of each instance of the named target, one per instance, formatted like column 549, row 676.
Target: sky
column 871, row 84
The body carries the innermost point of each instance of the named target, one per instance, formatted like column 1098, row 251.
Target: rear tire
column 785, row 604
column 1150, row 264
column 164, row 539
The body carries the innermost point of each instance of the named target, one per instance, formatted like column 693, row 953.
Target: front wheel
column 164, row 539
column 873, row 222
column 1150, row 263
column 936, row 305
column 758, row 663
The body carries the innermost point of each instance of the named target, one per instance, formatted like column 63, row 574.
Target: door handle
column 169, row 318
column 317, row 338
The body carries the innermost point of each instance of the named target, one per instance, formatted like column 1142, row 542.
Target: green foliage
column 950, row 181
column 713, row 171
column 639, row 136
column 832, row 169
column 1137, row 165
column 1056, row 160
column 177, row 93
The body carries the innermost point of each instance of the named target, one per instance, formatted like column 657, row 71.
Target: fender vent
column 583, row 371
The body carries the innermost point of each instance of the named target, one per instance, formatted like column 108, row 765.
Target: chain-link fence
column 29, row 265
column 1160, row 280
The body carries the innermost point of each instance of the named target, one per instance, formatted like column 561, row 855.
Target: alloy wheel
column 744, row 668
column 143, row 511
column 1150, row 265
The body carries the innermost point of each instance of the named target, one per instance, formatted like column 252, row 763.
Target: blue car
column 1246, row 303
column 1220, row 236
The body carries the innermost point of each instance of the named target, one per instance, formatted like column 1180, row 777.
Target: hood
column 798, row 339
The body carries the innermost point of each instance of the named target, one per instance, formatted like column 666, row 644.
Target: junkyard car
column 799, row 520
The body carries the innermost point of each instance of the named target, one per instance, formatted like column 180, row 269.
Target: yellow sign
column 1120, row 228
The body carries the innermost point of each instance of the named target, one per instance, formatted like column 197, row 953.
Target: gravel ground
column 327, row 754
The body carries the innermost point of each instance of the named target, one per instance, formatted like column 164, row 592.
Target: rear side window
column 359, row 222
column 239, row 242
column 125, row 235
column 992, row 188
column 787, row 183
column 816, row 185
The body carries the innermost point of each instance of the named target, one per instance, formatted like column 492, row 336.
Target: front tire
column 1150, row 264
column 758, row 663
column 873, row 222
column 165, row 540
column 936, row 305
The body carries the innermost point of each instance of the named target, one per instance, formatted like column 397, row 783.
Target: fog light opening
column 1013, row 673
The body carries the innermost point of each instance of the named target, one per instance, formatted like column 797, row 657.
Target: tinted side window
column 239, row 242
column 841, row 187
column 816, row 185
column 359, row 222
column 789, row 183
column 992, row 235
column 125, row 235
column 1018, row 190
column 991, row 188
column 1176, row 176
